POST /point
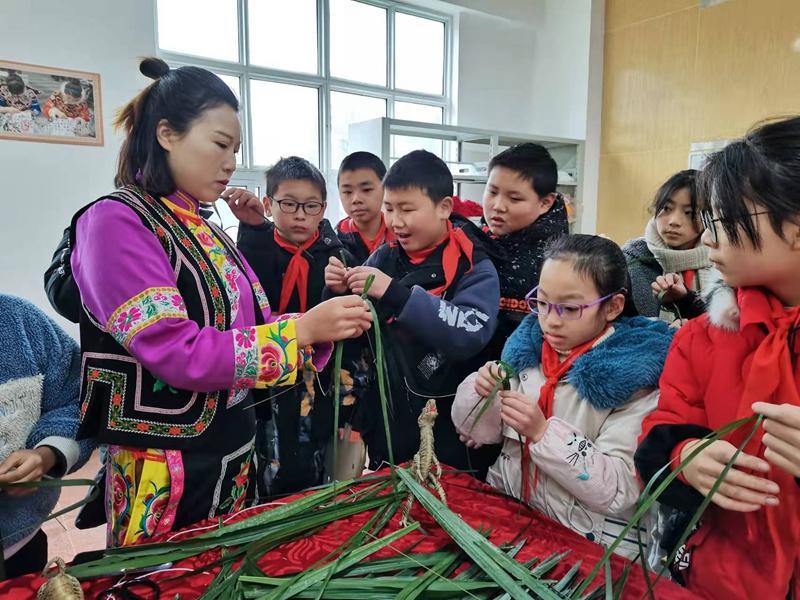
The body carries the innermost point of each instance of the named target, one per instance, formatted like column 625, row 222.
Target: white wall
column 495, row 62
column 594, row 113
column 523, row 65
column 44, row 184
column 561, row 68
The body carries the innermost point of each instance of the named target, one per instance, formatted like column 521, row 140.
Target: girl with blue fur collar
column 586, row 375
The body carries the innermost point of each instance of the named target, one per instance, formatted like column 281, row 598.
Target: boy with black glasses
column 289, row 255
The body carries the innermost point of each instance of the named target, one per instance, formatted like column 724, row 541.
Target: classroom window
column 305, row 70
column 419, row 54
column 347, row 109
column 284, row 121
column 283, row 35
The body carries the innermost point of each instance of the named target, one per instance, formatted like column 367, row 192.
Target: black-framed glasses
column 312, row 209
column 710, row 223
column 566, row 310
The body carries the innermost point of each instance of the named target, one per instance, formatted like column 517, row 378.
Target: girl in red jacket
column 721, row 369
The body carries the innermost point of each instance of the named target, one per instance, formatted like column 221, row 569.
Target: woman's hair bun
column 154, row 68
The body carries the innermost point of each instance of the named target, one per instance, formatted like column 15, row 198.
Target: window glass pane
column 419, row 54
column 201, row 27
column 358, row 41
column 416, row 112
column 285, row 121
column 233, row 82
column 346, row 109
column 283, row 35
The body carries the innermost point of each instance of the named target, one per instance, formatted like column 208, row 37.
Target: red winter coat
column 732, row 555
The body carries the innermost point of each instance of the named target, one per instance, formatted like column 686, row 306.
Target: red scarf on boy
column 384, row 233
column 296, row 273
column 554, row 369
column 458, row 243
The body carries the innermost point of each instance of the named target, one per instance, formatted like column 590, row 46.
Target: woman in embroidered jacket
column 175, row 328
column 585, row 378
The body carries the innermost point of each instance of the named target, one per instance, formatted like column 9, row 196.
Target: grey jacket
column 644, row 269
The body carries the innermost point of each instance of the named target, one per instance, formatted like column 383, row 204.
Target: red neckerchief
column 384, row 233
column 554, row 369
column 688, row 279
column 771, row 379
column 457, row 244
column 296, row 273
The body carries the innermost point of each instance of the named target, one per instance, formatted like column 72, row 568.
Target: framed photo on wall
column 49, row 104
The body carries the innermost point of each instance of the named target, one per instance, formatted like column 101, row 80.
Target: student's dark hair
column 362, row 160
column 681, row 180
column 15, row 83
column 533, row 163
column 763, row 167
column 178, row 95
column 73, row 87
column 598, row 258
column 294, row 168
column 421, row 170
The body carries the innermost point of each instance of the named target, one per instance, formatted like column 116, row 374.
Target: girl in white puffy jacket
column 585, row 376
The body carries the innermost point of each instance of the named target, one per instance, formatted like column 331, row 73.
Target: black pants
column 31, row 558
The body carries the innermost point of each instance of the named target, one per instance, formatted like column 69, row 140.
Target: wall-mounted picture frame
column 50, row 104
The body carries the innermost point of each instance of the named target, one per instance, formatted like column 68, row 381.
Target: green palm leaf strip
column 318, row 575
column 284, row 526
column 649, row 496
column 485, row 403
column 502, row 569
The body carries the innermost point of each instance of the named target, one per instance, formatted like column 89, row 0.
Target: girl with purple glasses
column 584, row 374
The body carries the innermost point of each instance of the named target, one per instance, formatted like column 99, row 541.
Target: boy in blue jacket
column 437, row 294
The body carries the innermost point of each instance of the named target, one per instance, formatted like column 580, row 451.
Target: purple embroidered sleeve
column 313, row 357
column 128, row 285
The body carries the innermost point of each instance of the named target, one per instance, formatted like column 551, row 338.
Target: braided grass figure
column 424, row 459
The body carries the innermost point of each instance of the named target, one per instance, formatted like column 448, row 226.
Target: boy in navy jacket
column 437, row 294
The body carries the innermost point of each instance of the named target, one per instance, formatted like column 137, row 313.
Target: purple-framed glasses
column 565, row 310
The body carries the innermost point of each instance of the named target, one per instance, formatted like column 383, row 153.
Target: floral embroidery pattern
column 119, row 500
column 226, row 268
column 235, row 502
column 583, row 453
column 265, row 355
column 261, row 296
column 155, row 504
column 189, row 244
column 143, row 310
column 117, row 422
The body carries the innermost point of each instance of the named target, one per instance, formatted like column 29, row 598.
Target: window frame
column 323, row 80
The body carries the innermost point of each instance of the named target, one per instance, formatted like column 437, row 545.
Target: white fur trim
column 20, row 408
column 68, row 447
column 722, row 306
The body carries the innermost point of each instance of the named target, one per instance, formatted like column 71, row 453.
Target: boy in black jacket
column 437, row 294
column 360, row 182
column 523, row 213
column 289, row 256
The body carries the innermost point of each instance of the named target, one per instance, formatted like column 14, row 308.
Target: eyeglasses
column 565, row 310
column 312, row 209
column 710, row 223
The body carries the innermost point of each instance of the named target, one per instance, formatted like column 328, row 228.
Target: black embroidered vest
column 123, row 403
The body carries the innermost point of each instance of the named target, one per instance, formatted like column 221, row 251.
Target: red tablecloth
column 476, row 503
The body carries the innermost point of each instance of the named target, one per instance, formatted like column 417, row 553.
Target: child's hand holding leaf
column 523, row 415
